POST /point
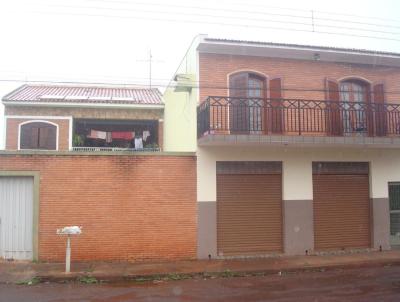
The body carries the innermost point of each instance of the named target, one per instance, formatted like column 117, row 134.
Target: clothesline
column 125, row 135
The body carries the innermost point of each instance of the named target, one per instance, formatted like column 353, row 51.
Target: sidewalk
column 11, row 272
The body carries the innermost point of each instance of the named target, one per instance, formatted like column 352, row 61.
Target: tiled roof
column 84, row 94
column 312, row 47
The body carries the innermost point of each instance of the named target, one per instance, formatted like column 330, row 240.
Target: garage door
column 249, row 208
column 16, row 217
column 341, row 205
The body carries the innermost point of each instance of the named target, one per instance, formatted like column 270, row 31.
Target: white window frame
column 37, row 121
column 40, row 119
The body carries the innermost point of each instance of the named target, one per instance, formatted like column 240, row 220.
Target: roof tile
column 85, row 94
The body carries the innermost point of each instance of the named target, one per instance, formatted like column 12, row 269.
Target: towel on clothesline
column 108, row 137
column 127, row 135
column 146, row 134
column 97, row 134
column 138, row 143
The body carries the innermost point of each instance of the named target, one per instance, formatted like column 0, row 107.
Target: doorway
column 394, row 207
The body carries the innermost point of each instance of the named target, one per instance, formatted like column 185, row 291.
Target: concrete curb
column 110, row 278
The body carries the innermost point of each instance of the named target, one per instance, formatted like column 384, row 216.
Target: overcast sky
column 109, row 40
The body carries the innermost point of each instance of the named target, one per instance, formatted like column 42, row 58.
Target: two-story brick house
column 291, row 150
column 297, row 146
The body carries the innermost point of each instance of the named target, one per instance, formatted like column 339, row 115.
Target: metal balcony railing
column 113, row 149
column 229, row 115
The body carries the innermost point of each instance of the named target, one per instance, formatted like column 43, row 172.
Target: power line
column 219, row 23
column 257, row 5
column 312, row 18
column 186, row 13
column 261, row 13
column 199, row 86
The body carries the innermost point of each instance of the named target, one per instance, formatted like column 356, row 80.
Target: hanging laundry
column 126, row 135
column 138, row 143
column 146, row 134
column 108, row 137
column 97, row 134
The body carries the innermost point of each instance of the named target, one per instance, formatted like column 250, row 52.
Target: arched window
column 38, row 135
column 247, row 90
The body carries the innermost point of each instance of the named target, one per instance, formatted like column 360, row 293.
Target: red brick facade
column 295, row 74
column 130, row 207
column 12, row 128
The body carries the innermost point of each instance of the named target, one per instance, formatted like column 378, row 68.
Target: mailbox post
column 69, row 231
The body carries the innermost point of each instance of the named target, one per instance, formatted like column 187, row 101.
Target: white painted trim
column 5, row 132
column 37, row 121
column 69, row 118
column 248, row 48
column 310, row 48
column 198, row 101
column 70, row 123
column 84, row 105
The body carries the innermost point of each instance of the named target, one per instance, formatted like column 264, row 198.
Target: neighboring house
column 83, row 118
column 297, row 146
column 93, row 157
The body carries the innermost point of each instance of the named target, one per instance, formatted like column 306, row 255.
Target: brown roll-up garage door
column 249, row 208
column 341, row 206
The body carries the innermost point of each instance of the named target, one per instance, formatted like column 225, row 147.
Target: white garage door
column 16, row 217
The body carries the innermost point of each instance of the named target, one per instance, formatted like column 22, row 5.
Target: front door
column 354, row 96
column 394, row 206
column 246, row 92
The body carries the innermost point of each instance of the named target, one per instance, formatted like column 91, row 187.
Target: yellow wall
column 180, row 113
column 297, row 167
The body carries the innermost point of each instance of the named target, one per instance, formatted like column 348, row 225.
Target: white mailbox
column 69, row 230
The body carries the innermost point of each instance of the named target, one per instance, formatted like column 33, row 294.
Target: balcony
column 226, row 120
column 95, row 135
column 112, row 149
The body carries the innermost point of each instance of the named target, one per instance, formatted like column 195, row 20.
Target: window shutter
column 34, row 137
column 38, row 136
column 380, row 111
column 369, row 111
column 239, row 109
column 275, row 116
column 48, row 137
column 28, row 137
column 333, row 115
column 238, row 85
column 43, row 137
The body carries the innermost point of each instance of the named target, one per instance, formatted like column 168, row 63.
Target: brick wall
column 295, row 74
column 130, row 207
column 12, row 132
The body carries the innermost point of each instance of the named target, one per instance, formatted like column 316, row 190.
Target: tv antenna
column 150, row 60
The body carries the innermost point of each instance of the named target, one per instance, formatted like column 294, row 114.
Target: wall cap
column 78, row 153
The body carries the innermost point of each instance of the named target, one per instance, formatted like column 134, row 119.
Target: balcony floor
column 295, row 140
